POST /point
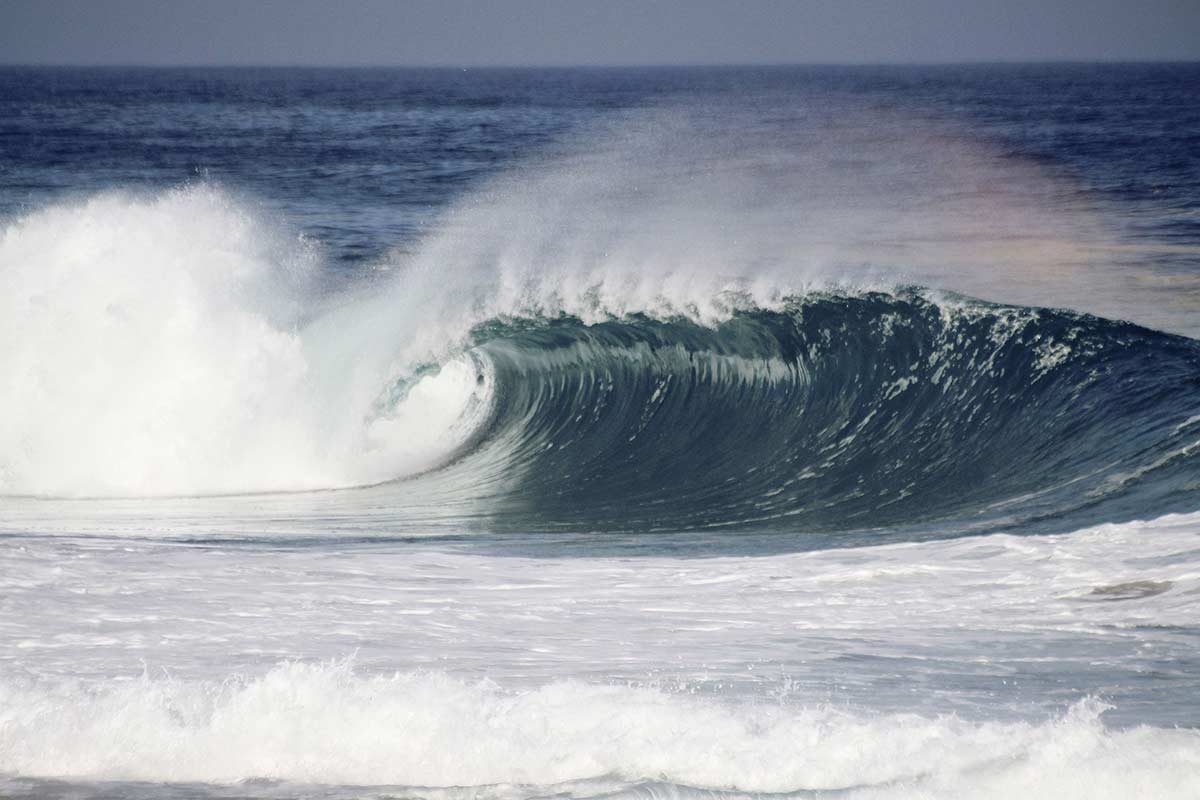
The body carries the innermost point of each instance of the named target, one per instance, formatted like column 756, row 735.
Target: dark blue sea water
column 364, row 160
column 827, row 431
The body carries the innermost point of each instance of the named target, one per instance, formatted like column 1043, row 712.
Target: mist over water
column 638, row 433
column 207, row 345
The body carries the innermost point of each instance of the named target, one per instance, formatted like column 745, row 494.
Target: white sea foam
column 998, row 626
column 956, row 668
column 154, row 345
column 325, row 724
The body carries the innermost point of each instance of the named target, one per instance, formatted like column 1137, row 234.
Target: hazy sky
column 601, row 32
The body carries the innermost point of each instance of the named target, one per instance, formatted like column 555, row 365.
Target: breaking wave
column 171, row 345
column 430, row 735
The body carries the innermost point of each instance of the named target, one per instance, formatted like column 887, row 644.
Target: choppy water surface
column 820, row 432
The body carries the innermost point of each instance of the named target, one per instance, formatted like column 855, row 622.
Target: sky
column 604, row 32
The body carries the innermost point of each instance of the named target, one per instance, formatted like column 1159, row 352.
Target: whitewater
column 654, row 433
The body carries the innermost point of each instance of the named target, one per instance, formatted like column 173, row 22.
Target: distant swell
column 837, row 411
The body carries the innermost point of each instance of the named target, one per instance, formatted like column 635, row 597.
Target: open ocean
column 828, row 432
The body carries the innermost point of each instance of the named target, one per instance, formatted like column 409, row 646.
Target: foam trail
column 325, row 724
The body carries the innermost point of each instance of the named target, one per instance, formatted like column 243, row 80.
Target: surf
column 434, row 735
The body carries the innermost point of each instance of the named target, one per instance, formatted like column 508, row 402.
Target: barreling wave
column 836, row 411
column 176, row 345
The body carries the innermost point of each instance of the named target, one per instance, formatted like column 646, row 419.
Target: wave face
column 840, row 411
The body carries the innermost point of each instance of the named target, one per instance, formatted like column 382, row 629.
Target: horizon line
column 613, row 65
